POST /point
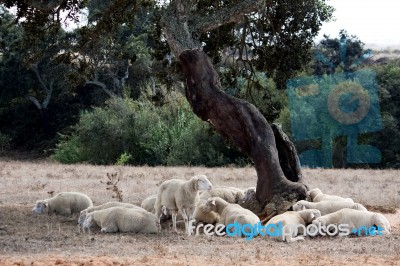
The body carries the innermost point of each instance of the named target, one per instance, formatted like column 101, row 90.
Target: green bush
column 138, row 133
column 68, row 150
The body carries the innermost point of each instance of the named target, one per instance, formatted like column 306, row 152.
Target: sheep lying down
column 63, row 203
column 229, row 194
column 326, row 207
column 316, row 195
column 292, row 219
column 230, row 213
column 357, row 221
column 120, row 219
column 82, row 215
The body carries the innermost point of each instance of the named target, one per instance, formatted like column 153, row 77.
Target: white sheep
column 180, row 196
column 357, row 221
column 114, row 219
column 229, row 194
column 205, row 217
column 64, row 203
column 83, row 213
column 326, row 207
column 292, row 223
column 231, row 213
column 316, row 195
column 148, row 203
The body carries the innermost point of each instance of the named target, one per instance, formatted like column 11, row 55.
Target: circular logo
column 355, row 93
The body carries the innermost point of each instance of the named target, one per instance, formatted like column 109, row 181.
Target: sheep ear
column 213, row 202
column 196, row 183
column 303, row 207
column 311, row 216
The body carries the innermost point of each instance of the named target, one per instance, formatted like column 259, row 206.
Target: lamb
column 326, row 207
column 107, row 205
column 114, row 219
column 230, row 213
column 229, row 194
column 357, row 221
column 317, row 196
column 64, row 203
column 290, row 223
column 180, row 195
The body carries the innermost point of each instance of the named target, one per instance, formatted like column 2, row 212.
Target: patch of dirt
column 28, row 239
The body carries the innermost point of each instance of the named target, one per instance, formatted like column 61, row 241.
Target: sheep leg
column 174, row 214
column 185, row 219
column 291, row 239
column 158, row 214
column 109, row 229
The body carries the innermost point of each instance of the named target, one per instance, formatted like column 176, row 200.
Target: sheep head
column 41, row 206
column 299, row 206
column 202, row 183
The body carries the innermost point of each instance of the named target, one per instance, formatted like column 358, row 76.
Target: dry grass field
column 28, row 239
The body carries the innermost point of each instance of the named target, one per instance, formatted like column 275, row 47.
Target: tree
column 280, row 35
column 344, row 51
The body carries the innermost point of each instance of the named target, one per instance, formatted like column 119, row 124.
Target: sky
column 372, row 21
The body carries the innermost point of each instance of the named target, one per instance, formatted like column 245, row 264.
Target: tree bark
column 241, row 123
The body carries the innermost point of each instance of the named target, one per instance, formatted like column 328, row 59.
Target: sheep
column 326, row 207
column 114, row 219
column 229, row 194
column 148, row 203
column 200, row 216
column 316, row 195
column 231, row 213
column 291, row 223
column 249, row 193
column 83, row 213
column 64, row 203
column 357, row 221
column 180, row 195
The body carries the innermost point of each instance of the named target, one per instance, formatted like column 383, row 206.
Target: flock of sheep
column 198, row 199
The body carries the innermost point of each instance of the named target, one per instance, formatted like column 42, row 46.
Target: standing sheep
column 293, row 222
column 356, row 220
column 114, row 219
column 326, row 207
column 180, row 195
column 230, row 213
column 64, row 203
column 107, row 205
column 316, row 195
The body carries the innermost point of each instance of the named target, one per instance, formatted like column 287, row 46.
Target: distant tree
column 345, row 52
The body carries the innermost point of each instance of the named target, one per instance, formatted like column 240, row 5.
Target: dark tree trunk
column 241, row 123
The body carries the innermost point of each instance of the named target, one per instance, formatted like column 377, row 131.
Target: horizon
column 374, row 24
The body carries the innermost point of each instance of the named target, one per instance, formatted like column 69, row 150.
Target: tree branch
column 35, row 68
column 35, row 101
column 226, row 15
column 102, row 86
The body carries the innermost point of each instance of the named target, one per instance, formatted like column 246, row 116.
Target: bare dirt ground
column 28, row 239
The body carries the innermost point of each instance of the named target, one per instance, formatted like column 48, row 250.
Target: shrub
column 4, row 141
